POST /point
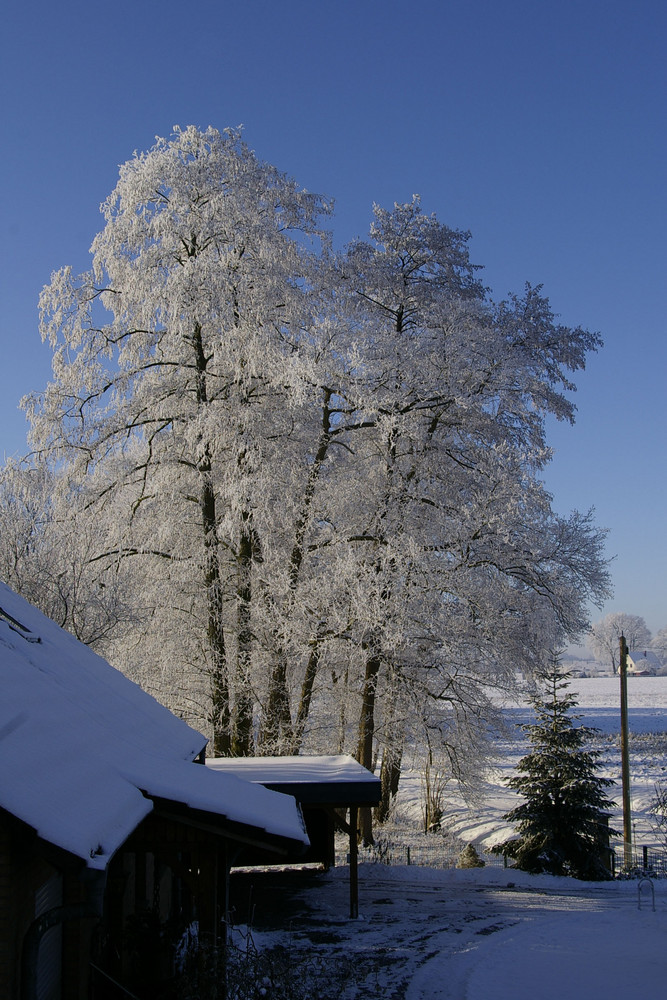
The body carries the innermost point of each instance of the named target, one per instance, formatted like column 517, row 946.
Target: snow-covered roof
column 325, row 779
column 80, row 744
column 644, row 660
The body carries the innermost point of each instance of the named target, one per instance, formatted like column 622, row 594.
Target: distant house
column 643, row 663
column 114, row 840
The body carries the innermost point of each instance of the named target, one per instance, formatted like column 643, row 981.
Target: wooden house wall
column 33, row 879
column 167, row 876
column 173, row 871
column 23, row 872
column 7, row 916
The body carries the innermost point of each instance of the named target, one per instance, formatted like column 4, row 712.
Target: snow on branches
column 325, row 466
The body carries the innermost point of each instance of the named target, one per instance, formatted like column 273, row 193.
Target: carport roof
column 334, row 780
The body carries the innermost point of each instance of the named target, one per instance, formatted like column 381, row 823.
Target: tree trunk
column 390, row 775
column 277, row 732
column 242, row 744
column 392, row 754
column 366, row 732
column 342, row 714
column 219, row 716
column 277, row 729
column 306, row 694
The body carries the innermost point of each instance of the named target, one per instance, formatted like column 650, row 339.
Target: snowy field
column 491, row 933
column 480, row 821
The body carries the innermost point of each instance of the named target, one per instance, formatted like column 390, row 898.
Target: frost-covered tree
column 464, row 572
column 562, row 823
column 469, row 858
column 319, row 475
column 659, row 644
column 51, row 560
column 658, row 809
column 176, row 361
column 603, row 637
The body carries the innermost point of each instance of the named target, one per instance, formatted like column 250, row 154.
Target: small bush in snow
column 469, row 858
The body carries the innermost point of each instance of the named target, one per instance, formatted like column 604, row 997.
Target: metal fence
column 635, row 860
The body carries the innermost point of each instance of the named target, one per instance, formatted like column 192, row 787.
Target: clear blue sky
column 541, row 127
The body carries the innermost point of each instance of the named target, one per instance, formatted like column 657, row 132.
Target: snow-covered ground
column 483, row 934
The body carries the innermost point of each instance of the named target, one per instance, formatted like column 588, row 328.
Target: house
column 115, row 841
column 643, row 663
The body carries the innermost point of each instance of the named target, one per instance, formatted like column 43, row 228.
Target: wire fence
column 626, row 861
column 432, row 853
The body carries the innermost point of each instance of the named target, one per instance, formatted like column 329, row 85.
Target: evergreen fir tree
column 562, row 823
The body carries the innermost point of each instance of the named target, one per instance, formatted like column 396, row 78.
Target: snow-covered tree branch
column 338, row 454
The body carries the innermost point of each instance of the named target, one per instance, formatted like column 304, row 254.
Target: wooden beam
column 338, row 820
column 354, row 879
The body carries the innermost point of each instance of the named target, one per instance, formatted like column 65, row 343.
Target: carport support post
column 354, row 881
column 625, row 759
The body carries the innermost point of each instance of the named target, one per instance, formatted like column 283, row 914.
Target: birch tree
column 169, row 355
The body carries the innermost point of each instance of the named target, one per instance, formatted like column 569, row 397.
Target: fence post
column 408, row 853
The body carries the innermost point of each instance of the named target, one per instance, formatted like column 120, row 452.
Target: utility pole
column 625, row 758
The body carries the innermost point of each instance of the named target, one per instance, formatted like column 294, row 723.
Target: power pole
column 625, row 757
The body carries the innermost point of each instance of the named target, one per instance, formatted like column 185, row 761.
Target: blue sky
column 541, row 127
